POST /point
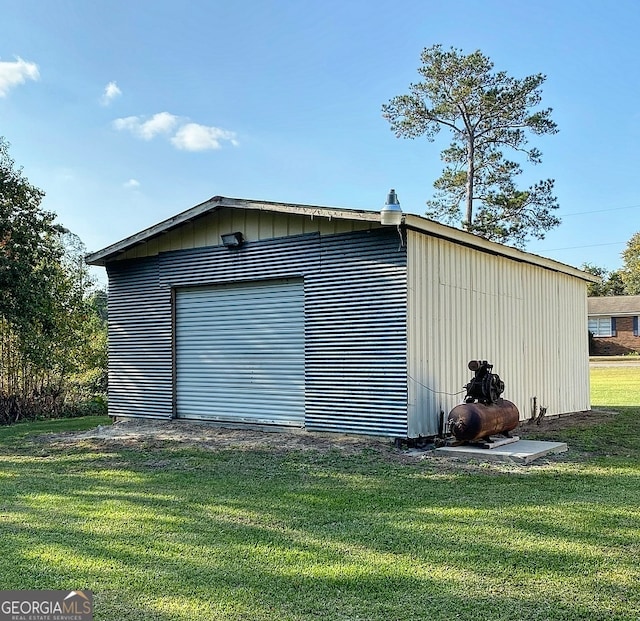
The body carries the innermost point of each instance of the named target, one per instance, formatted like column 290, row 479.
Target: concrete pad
column 520, row 452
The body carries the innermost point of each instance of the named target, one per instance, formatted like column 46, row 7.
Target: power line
column 582, row 213
column 576, row 247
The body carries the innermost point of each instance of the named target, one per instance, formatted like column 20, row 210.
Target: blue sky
column 126, row 113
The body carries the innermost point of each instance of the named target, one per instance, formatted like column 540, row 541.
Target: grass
column 612, row 387
column 163, row 531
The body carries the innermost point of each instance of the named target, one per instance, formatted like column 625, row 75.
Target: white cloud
column 195, row 137
column 160, row 123
column 187, row 137
column 132, row 183
column 111, row 91
column 15, row 73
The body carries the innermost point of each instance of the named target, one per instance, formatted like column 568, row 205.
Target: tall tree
column 28, row 243
column 486, row 112
column 52, row 339
column 630, row 272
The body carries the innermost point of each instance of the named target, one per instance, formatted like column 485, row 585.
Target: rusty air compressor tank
column 484, row 412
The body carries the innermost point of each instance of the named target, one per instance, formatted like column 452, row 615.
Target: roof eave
column 464, row 238
column 101, row 257
column 415, row 222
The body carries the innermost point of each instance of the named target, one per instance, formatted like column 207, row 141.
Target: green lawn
column 615, row 386
column 163, row 531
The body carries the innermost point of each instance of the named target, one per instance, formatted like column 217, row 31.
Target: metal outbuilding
column 323, row 318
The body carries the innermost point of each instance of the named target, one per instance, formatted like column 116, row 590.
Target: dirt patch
column 578, row 420
column 149, row 434
column 136, row 432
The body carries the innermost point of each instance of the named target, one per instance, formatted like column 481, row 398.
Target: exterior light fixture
column 391, row 213
column 232, row 240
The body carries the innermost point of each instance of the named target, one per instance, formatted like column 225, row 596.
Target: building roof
column 411, row 221
column 615, row 305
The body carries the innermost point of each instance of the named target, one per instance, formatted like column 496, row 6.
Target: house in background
column 253, row 312
column 613, row 323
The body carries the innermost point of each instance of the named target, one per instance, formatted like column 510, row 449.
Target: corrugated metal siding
column 240, row 353
column 356, row 336
column 355, row 327
column 277, row 258
column 140, row 374
column 526, row 320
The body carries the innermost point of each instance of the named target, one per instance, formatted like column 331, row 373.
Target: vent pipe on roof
column 391, row 213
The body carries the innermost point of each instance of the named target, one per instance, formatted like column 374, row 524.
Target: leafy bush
column 52, row 323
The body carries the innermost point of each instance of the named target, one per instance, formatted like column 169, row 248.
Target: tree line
column 53, row 343
column 623, row 281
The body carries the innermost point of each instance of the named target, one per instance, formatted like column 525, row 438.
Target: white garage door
column 240, row 353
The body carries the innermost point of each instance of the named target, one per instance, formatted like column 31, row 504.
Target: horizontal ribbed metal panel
column 528, row 321
column 277, row 258
column 355, row 319
column 354, row 327
column 140, row 373
column 356, row 336
column 240, row 353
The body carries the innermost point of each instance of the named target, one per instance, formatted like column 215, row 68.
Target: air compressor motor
column 485, row 387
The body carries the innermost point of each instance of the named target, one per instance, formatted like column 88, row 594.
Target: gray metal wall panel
column 279, row 258
column 356, row 336
column 355, row 323
column 140, row 373
column 240, row 353
column 355, row 318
